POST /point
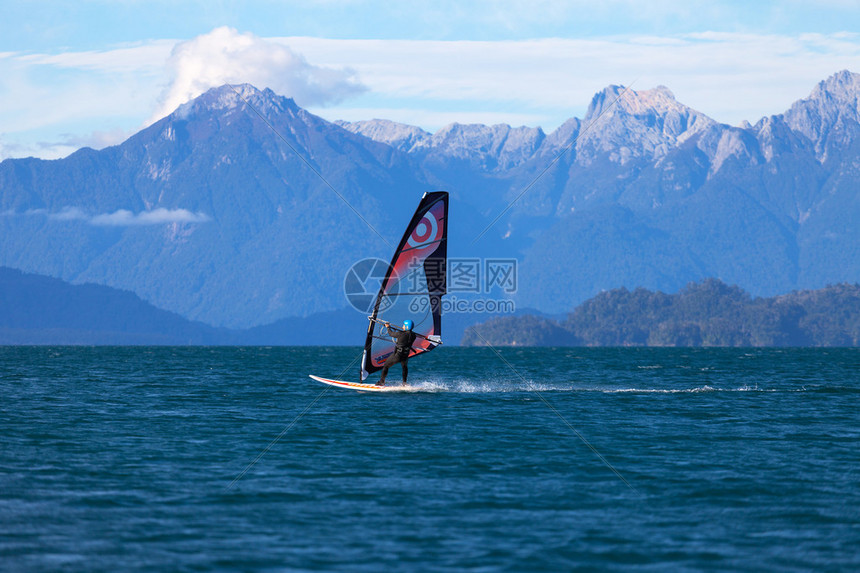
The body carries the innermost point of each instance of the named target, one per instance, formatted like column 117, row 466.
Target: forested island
column 708, row 313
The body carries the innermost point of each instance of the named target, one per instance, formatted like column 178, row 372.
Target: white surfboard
column 365, row 387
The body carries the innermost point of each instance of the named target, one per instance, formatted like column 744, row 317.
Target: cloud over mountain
column 226, row 56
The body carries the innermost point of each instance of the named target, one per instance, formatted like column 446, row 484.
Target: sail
column 413, row 286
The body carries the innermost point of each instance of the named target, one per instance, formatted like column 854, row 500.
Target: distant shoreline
column 705, row 314
column 42, row 311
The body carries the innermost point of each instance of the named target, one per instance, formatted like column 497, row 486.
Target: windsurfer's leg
column 384, row 374
column 391, row 361
column 405, row 370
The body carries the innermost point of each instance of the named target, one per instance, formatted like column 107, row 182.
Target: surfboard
column 364, row 387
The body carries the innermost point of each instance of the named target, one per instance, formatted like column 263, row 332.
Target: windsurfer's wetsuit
column 403, row 345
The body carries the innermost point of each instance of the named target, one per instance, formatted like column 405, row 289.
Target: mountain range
column 241, row 209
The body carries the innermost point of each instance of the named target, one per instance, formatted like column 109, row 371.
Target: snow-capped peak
column 232, row 97
column 653, row 119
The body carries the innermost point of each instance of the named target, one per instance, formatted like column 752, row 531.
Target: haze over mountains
column 208, row 213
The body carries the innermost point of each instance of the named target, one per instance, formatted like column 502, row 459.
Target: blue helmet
column 407, row 325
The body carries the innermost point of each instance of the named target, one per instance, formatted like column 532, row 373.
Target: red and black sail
column 413, row 286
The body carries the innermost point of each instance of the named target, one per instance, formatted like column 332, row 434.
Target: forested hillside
column 709, row 313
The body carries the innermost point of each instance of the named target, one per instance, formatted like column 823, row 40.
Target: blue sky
column 93, row 72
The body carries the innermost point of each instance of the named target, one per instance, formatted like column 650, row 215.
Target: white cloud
column 124, row 217
column 67, row 214
column 51, row 104
column 160, row 216
column 146, row 57
column 729, row 77
column 226, row 56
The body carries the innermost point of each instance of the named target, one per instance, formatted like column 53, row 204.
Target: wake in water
column 695, row 390
column 507, row 386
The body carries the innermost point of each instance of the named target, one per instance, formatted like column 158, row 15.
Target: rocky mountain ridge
column 222, row 217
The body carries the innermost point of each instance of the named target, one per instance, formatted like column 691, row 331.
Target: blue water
column 196, row 459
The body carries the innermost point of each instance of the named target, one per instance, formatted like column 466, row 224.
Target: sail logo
column 428, row 230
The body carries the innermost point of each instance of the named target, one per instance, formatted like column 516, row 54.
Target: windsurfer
column 403, row 340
